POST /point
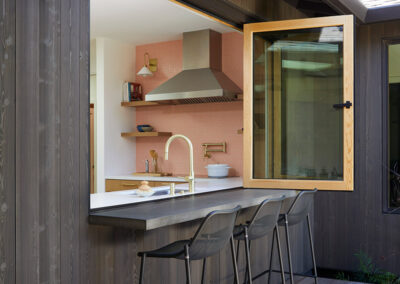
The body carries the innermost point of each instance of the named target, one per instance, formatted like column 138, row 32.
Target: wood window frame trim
column 347, row 184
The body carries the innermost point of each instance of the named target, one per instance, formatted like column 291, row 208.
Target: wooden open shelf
column 146, row 134
column 144, row 103
column 139, row 104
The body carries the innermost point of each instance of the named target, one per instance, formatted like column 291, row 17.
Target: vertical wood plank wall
column 346, row 223
column 7, row 141
column 52, row 148
column 27, row 144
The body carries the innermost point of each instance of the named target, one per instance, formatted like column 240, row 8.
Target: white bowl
column 217, row 170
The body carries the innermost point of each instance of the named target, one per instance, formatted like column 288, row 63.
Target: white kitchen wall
column 115, row 63
column 93, row 71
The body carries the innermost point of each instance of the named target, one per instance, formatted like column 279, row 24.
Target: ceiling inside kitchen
column 145, row 21
column 379, row 3
column 366, row 11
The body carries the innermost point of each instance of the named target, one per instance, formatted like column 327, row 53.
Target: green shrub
column 368, row 272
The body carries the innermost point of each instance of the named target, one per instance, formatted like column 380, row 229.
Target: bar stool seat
column 173, row 250
column 211, row 237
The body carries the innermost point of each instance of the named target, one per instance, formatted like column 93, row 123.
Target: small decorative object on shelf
column 154, row 155
column 144, row 128
column 131, row 92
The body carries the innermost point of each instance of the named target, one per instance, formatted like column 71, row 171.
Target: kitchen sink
column 159, row 190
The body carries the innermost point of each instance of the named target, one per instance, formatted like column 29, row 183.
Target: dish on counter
column 143, row 193
column 144, row 189
column 217, row 170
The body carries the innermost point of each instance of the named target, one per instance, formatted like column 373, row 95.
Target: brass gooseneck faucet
column 189, row 178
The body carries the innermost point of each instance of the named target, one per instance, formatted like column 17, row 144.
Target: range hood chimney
column 201, row 80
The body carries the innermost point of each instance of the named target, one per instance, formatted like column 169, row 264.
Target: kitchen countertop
column 123, row 197
column 148, row 178
column 143, row 216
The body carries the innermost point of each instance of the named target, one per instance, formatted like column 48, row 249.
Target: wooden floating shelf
column 139, row 104
column 146, row 134
column 144, row 103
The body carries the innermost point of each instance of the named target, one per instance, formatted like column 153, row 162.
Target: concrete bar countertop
column 160, row 213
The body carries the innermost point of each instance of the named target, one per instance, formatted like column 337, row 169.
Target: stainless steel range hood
column 201, row 80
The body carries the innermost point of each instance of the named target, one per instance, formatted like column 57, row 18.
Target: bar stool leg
column 235, row 268
column 312, row 249
column 246, row 276
column 280, row 254
column 143, row 257
column 203, row 272
column 288, row 249
column 237, row 251
column 271, row 256
column 246, row 240
column 187, row 265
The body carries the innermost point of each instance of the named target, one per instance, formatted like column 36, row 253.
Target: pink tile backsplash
column 202, row 123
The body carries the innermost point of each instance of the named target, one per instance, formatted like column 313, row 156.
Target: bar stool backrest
column 213, row 234
column 301, row 206
column 265, row 218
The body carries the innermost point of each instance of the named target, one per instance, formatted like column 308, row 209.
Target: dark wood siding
column 346, row 223
column 52, row 112
column 7, row 141
column 84, row 233
column 27, row 142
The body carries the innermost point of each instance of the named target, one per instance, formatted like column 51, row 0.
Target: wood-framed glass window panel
column 391, row 139
column 295, row 71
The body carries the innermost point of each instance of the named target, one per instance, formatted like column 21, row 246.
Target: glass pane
column 394, row 125
column 298, row 77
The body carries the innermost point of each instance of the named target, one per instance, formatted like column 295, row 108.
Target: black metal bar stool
column 264, row 221
column 212, row 236
column 299, row 210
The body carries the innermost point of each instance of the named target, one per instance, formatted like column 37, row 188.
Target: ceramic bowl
column 144, row 128
column 217, row 170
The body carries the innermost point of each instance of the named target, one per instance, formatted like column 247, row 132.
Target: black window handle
column 347, row 104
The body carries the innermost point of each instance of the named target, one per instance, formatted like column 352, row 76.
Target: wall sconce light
column 150, row 66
